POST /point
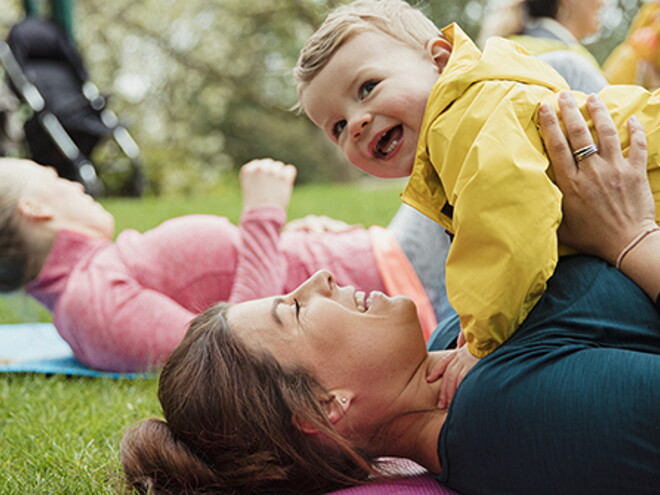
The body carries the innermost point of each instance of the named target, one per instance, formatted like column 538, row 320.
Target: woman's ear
column 33, row 211
column 439, row 49
column 335, row 410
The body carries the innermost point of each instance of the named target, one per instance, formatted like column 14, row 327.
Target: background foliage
column 206, row 86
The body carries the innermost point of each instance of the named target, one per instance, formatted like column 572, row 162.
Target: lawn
column 60, row 435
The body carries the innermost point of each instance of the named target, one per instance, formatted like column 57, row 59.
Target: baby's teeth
column 391, row 147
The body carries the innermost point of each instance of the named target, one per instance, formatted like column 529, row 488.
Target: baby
column 402, row 98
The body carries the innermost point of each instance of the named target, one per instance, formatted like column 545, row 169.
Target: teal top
column 570, row 403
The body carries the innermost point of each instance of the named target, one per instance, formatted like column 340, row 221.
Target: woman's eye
column 367, row 88
column 337, row 128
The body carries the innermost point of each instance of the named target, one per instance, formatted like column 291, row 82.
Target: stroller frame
column 83, row 168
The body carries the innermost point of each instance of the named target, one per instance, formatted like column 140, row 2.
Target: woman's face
column 342, row 336
column 65, row 199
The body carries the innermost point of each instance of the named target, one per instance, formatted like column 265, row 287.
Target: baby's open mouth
column 388, row 142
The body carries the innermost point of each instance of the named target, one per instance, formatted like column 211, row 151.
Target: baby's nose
column 358, row 126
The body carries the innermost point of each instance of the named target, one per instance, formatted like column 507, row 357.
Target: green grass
column 61, row 435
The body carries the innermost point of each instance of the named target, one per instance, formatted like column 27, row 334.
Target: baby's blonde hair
column 395, row 18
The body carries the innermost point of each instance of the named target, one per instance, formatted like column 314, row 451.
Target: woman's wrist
column 638, row 239
column 642, row 264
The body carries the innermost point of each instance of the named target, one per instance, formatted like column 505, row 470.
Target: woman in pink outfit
column 124, row 305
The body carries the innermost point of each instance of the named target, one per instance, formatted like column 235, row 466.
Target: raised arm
column 267, row 186
column 608, row 205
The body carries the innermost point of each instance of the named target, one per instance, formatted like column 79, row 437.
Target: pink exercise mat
column 416, row 482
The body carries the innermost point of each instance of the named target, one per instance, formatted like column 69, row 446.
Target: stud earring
column 343, row 400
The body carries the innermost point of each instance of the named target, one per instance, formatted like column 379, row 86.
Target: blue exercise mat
column 38, row 348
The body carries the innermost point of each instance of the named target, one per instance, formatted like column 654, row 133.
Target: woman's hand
column 267, row 182
column 608, row 206
column 607, row 198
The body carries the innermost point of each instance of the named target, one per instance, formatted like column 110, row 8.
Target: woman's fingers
column 638, row 152
column 576, row 127
column 608, row 137
column 556, row 145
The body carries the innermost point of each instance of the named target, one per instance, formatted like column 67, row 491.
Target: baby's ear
column 439, row 50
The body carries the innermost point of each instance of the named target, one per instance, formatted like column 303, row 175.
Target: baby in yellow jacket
column 402, row 98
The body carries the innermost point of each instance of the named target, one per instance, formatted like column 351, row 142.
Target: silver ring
column 585, row 152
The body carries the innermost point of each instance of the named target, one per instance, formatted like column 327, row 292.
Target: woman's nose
column 322, row 283
column 358, row 125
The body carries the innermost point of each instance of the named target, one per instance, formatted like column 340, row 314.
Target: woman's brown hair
column 229, row 424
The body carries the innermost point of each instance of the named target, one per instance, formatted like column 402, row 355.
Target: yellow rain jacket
column 482, row 173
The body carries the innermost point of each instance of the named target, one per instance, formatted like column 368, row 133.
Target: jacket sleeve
column 505, row 216
column 262, row 267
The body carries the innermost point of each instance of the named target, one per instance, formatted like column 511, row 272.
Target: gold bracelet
column 634, row 243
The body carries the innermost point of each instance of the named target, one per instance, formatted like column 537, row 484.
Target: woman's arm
column 608, row 206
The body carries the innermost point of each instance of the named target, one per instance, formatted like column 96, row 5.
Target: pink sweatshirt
column 124, row 306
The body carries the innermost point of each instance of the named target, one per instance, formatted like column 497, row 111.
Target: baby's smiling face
column 370, row 99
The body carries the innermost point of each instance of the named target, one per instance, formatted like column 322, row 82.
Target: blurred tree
column 205, row 86
column 213, row 79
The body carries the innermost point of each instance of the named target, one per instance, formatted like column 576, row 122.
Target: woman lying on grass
column 303, row 393
column 124, row 305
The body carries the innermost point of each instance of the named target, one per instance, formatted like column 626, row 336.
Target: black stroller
column 69, row 115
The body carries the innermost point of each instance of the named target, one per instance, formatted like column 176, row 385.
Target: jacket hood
column 471, row 66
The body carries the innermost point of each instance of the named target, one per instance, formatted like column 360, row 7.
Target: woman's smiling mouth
column 360, row 302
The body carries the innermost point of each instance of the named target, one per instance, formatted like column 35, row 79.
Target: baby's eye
column 338, row 127
column 366, row 88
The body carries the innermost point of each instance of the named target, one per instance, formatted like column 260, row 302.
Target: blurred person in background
column 553, row 31
column 637, row 59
